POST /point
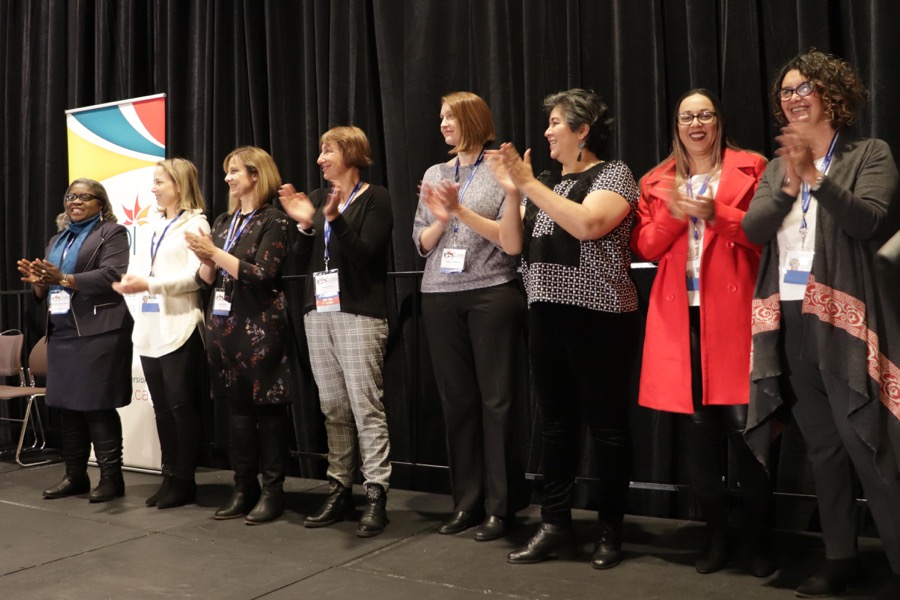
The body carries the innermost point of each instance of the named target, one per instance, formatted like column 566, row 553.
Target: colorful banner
column 119, row 144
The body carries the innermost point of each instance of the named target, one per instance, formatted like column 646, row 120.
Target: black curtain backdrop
column 277, row 74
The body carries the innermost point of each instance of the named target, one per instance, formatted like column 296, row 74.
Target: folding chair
column 11, row 366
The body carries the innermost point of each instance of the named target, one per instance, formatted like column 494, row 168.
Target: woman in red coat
column 697, row 347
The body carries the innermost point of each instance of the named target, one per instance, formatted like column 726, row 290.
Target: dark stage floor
column 69, row 548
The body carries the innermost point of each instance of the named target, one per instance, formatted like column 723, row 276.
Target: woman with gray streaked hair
column 573, row 233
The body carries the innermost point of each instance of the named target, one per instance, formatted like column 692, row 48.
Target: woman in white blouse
column 168, row 327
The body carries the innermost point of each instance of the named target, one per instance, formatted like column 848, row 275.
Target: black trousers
column 702, row 443
column 820, row 403
column 174, row 382
column 474, row 336
column 582, row 364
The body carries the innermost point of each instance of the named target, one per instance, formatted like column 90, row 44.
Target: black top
column 358, row 249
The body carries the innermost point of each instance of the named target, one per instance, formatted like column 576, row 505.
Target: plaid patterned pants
column 346, row 353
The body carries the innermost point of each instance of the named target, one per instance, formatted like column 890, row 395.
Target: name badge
column 150, row 303
column 797, row 266
column 328, row 291
column 60, row 302
column 693, row 275
column 453, row 260
column 221, row 305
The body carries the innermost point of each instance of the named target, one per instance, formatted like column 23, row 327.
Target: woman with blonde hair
column 169, row 324
column 247, row 331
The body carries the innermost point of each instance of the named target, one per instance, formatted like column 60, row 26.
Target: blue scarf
column 70, row 242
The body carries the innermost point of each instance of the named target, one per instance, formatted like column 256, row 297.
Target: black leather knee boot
column 273, row 458
column 76, row 446
column 106, row 435
column 245, row 462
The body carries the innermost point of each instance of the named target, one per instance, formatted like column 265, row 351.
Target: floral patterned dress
column 248, row 348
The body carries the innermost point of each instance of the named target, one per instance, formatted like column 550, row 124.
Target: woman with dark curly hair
column 573, row 233
column 825, row 331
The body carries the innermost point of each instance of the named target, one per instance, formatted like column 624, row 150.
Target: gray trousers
column 346, row 352
column 820, row 410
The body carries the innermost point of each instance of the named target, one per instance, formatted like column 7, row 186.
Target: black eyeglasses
column 84, row 197
column 705, row 118
column 803, row 90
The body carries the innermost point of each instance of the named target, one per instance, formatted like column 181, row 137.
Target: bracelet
column 65, row 281
column 309, row 232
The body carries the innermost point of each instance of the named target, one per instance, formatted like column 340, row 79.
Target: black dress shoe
column 461, row 521
column 493, row 528
column 832, row 578
column 608, row 551
column 549, row 540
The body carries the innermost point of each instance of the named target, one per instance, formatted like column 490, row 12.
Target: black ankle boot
column 608, row 551
column 69, row 486
column 178, row 493
column 163, row 488
column 374, row 517
column 337, row 506
column 549, row 540
column 244, row 497
column 716, row 553
column 832, row 578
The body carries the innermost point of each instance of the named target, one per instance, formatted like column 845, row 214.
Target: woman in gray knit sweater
column 473, row 309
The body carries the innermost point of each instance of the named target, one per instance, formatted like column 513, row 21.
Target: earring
column 101, row 216
column 580, row 146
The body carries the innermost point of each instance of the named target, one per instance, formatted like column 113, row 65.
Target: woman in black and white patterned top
column 474, row 310
column 573, row 234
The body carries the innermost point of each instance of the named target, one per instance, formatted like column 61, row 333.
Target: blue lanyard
column 68, row 246
column 234, row 236
column 462, row 190
column 806, row 194
column 690, row 191
column 154, row 245
column 327, row 234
